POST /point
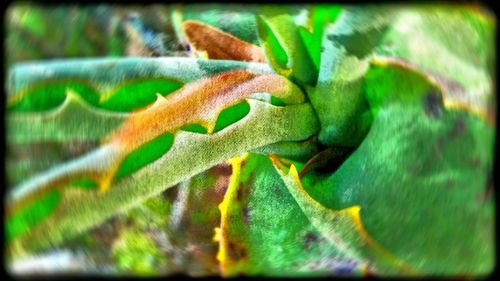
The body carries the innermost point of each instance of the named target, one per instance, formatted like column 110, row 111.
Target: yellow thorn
column 71, row 93
column 217, row 234
column 210, row 128
column 105, row 96
column 202, row 54
column 104, row 185
column 160, row 97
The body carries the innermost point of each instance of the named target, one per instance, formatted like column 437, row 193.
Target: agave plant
column 355, row 135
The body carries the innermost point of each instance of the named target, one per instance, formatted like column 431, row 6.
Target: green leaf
column 48, row 96
column 109, row 155
column 278, row 57
column 283, row 46
column 337, row 98
column 312, row 33
column 263, row 230
column 73, row 120
column 300, row 151
column 342, row 227
column 195, row 128
column 388, row 82
column 115, row 80
column 427, row 204
column 268, row 123
column 84, row 182
column 454, row 44
column 428, row 207
column 236, row 20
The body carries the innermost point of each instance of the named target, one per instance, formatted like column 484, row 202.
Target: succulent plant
column 300, row 140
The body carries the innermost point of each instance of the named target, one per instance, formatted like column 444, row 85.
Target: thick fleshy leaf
column 264, row 232
column 318, row 16
column 88, row 208
column 235, row 19
column 343, row 228
column 300, row 151
column 220, row 45
column 283, row 45
column 166, row 115
column 453, row 44
column 430, row 206
column 346, row 50
column 104, row 82
column 391, row 81
column 73, row 120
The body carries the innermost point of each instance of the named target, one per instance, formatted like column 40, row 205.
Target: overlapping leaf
column 284, row 47
column 114, row 84
column 270, row 123
column 420, row 213
column 264, row 232
column 455, row 45
column 346, row 48
column 220, row 45
column 420, row 208
column 311, row 31
column 237, row 20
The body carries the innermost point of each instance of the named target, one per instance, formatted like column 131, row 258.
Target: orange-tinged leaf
column 219, row 44
column 196, row 102
column 200, row 102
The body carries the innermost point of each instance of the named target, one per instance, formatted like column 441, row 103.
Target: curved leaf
column 106, row 76
column 337, row 98
column 429, row 205
column 283, row 46
column 73, row 120
column 237, row 20
column 343, row 228
column 301, row 151
column 270, row 123
column 220, row 45
column 263, row 231
column 165, row 115
column 312, row 32
column 454, row 44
